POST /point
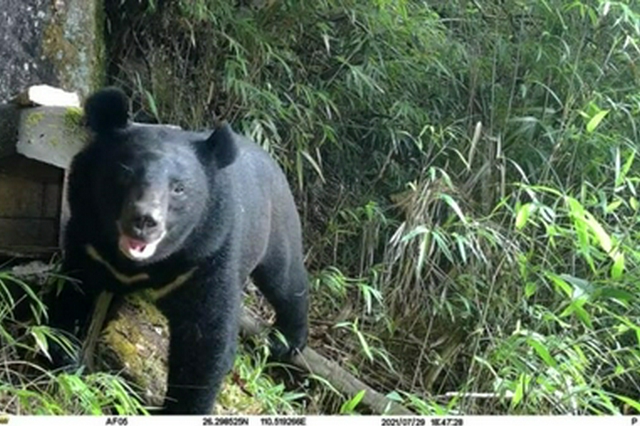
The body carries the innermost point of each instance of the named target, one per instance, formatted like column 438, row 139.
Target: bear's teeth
column 138, row 250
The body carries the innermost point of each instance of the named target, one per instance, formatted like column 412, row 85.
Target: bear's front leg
column 69, row 310
column 203, row 327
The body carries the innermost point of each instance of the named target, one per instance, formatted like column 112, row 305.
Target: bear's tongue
column 136, row 249
column 136, row 245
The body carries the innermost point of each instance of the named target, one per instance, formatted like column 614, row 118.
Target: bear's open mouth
column 136, row 249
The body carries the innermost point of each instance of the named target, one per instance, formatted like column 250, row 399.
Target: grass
column 251, row 390
column 28, row 388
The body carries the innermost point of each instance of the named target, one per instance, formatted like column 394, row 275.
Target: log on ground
column 135, row 342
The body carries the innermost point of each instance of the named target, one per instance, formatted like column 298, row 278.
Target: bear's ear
column 221, row 145
column 106, row 110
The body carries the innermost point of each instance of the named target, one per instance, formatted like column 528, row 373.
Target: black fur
column 107, row 109
column 226, row 212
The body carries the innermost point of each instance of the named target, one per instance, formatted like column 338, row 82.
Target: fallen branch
column 311, row 361
column 95, row 328
column 477, row 395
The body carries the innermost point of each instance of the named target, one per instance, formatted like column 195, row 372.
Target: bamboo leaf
column 595, row 120
column 542, row 352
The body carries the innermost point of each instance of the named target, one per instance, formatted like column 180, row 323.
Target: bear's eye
column 124, row 175
column 178, row 188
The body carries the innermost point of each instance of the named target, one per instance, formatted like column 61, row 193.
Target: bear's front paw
column 62, row 360
column 284, row 348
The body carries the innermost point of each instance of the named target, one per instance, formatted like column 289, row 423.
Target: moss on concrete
column 73, row 119
column 58, row 127
column 34, row 118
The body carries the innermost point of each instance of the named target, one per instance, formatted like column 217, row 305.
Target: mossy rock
column 135, row 343
column 58, row 43
column 73, row 42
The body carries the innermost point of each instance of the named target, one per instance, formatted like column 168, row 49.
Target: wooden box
column 36, row 147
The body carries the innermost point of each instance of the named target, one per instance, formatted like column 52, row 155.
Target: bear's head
column 150, row 183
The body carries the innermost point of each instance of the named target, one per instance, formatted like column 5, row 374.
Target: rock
column 51, row 42
column 35, row 271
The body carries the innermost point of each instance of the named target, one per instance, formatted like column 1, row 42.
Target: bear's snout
column 144, row 223
column 142, row 227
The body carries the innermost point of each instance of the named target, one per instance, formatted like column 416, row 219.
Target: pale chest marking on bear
column 159, row 293
column 124, row 279
column 155, row 294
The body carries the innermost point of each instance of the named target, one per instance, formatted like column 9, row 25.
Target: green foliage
column 349, row 406
column 25, row 387
column 466, row 173
column 250, row 390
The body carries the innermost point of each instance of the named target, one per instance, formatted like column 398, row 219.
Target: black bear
column 187, row 216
